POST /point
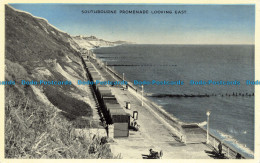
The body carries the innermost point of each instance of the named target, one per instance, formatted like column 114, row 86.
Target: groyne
column 199, row 95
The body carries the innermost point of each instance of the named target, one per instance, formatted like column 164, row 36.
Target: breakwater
column 142, row 65
column 199, row 95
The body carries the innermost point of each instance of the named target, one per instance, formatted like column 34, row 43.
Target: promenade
column 155, row 132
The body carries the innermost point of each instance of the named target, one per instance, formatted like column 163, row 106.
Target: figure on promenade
column 220, row 148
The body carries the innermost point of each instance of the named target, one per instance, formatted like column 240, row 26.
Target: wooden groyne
column 177, row 95
column 150, row 65
column 199, row 95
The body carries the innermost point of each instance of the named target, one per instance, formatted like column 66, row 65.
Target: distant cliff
column 92, row 42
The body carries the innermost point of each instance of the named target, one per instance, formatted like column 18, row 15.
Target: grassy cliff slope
column 40, row 120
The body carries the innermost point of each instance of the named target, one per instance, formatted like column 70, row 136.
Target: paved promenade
column 155, row 132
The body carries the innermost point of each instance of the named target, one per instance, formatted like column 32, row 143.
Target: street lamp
column 124, row 80
column 208, row 114
column 142, row 95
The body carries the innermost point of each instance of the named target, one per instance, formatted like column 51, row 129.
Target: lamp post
column 208, row 114
column 113, row 72
column 142, row 95
column 123, row 80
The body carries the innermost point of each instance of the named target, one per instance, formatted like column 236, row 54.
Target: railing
column 226, row 149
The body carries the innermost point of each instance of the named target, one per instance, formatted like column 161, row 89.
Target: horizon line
column 187, row 44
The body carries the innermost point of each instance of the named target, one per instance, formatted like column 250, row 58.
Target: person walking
column 220, row 148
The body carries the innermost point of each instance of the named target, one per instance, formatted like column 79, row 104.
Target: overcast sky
column 202, row 24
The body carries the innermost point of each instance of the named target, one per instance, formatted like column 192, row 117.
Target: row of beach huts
column 116, row 118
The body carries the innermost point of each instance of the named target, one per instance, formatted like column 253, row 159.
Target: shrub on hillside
column 67, row 103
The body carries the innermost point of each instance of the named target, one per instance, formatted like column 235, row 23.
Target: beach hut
column 92, row 69
column 89, row 64
column 109, row 106
column 109, row 100
column 104, row 103
column 121, row 122
column 104, row 91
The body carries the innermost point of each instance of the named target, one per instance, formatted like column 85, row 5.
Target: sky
column 200, row 24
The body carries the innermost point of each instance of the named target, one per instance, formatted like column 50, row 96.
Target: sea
column 229, row 98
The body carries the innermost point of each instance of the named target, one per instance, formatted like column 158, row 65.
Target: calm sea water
column 232, row 117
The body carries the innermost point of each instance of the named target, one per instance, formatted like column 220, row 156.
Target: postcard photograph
column 129, row 81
